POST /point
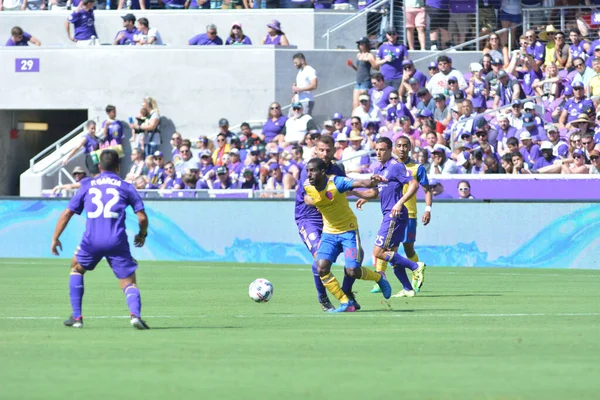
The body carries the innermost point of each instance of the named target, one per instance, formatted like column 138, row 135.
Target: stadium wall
column 484, row 234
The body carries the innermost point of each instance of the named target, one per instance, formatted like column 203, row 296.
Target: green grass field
column 472, row 333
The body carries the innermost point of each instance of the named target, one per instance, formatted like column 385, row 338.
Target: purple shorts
column 392, row 232
column 310, row 233
column 121, row 261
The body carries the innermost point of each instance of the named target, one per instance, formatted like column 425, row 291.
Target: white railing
column 37, row 165
column 541, row 16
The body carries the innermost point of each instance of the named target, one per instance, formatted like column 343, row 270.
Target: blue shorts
column 332, row 245
column 411, row 231
column 310, row 233
column 121, row 261
column 514, row 18
column 363, row 86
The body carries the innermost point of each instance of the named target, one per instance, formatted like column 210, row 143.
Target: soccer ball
column 261, row 290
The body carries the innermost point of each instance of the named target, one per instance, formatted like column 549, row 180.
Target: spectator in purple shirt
column 89, row 143
column 275, row 35
column 209, row 38
column 409, row 71
column 112, row 128
column 547, row 159
column 236, row 35
column 223, row 181
column 135, row 5
column 529, row 151
column 20, row 38
column 380, row 92
column 83, row 22
column 172, row 4
column 390, row 56
column 172, row 179
column 535, row 48
column 125, row 37
column 274, row 127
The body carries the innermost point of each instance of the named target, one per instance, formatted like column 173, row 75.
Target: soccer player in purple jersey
column 310, row 222
column 395, row 214
column 105, row 199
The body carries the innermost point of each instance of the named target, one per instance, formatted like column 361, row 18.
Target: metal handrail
column 527, row 13
column 56, row 145
column 353, row 17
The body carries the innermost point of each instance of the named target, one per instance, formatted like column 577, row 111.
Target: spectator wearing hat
column 559, row 147
column 274, row 127
column 439, row 82
column 354, row 157
column 126, row 36
column 365, row 60
column 491, row 77
column 366, row 111
column 395, row 110
column 578, row 47
column 146, row 35
column 576, row 164
column 156, row 175
column 575, row 106
column 409, row 71
column 409, row 92
column 441, row 113
column 306, row 82
column 534, row 127
column 298, row 125
column 440, row 163
column 207, row 167
column 254, row 160
column 477, row 90
column 485, row 133
column 248, row 180
column 379, row 93
column 224, row 129
column 529, row 150
column 275, row 35
column 341, row 142
column 20, row 38
column 495, row 49
column 547, row 159
column 415, row 17
column 236, row 35
column 223, row 181
column 278, row 180
column 463, row 162
column 425, row 100
column 235, row 165
column 390, row 56
column 547, row 35
column 209, row 38
column 508, row 90
column 437, row 189
column 433, row 69
column 437, row 11
column 594, row 167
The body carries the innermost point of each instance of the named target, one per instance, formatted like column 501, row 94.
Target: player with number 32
column 105, row 199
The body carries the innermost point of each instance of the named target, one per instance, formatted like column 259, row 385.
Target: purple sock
column 76, row 293
column 398, row 260
column 321, row 291
column 134, row 302
column 403, row 278
column 347, row 284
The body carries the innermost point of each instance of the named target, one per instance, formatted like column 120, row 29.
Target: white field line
column 354, row 315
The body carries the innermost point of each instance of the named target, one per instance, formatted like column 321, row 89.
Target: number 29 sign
column 27, row 65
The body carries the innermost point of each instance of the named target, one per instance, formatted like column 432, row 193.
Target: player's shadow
column 154, row 328
column 407, row 311
column 464, row 295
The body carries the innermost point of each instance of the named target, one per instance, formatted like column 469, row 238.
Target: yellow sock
column 414, row 258
column 331, row 283
column 368, row 275
column 381, row 265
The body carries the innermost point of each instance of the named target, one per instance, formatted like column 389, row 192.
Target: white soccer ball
column 261, row 290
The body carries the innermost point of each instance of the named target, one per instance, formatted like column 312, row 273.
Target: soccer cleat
column 418, row 277
column 353, row 301
column 405, row 293
column 74, row 322
column 376, row 289
column 138, row 323
column 384, row 285
column 325, row 303
column 344, row 307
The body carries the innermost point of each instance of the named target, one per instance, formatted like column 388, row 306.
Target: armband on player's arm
column 427, row 208
column 144, row 235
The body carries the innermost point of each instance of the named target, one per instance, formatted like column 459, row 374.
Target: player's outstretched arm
column 140, row 238
column 62, row 223
column 368, row 183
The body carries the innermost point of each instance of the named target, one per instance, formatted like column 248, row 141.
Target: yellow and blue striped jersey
column 419, row 173
column 333, row 204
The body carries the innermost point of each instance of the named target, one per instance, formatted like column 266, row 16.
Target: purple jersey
column 304, row 212
column 391, row 191
column 393, row 69
column 574, row 108
column 274, row 41
column 235, row 171
column 203, row 40
column 530, row 156
column 537, row 50
column 245, row 40
column 418, row 75
column 83, row 21
column 204, row 169
column 527, row 80
column 273, row 128
column 156, row 178
column 542, row 162
column 115, row 131
column 577, row 50
column 105, row 199
column 176, row 180
column 23, row 42
column 218, row 185
column 127, row 38
column 91, row 144
column 381, row 98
